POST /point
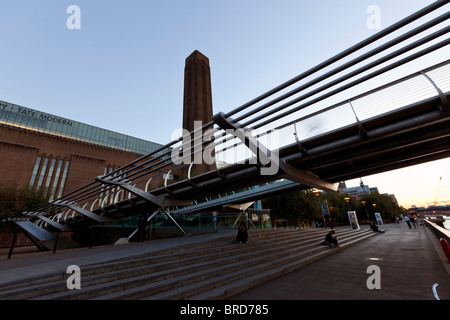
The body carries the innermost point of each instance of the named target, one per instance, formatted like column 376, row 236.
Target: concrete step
column 148, row 263
column 130, row 278
column 135, row 261
column 250, row 277
column 233, row 288
column 215, row 268
column 182, row 287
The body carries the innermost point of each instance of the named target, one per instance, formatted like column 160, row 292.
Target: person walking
column 242, row 235
column 408, row 221
column 413, row 221
column 142, row 227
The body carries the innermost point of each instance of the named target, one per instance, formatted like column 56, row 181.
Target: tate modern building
column 44, row 150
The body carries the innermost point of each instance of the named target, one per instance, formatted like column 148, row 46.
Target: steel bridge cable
column 385, row 96
column 360, row 80
column 355, row 48
column 353, row 62
column 381, row 48
column 403, row 82
column 432, row 7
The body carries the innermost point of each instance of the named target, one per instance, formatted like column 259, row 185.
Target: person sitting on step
column 330, row 240
column 374, row 228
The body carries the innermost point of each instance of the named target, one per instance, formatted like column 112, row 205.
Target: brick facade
column 20, row 148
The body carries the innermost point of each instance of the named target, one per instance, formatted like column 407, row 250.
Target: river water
column 447, row 223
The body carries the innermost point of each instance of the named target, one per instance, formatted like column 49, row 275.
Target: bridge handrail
column 438, row 231
column 400, row 24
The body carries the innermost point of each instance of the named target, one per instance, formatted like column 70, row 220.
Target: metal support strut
column 266, row 157
column 71, row 205
column 159, row 201
column 445, row 104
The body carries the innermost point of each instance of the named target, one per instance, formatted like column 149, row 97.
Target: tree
column 302, row 207
column 338, row 206
column 381, row 203
column 299, row 207
column 15, row 199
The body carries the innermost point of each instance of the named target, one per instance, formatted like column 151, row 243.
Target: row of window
column 51, row 174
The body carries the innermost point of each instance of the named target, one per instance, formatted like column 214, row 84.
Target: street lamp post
column 320, row 208
column 347, row 199
column 374, row 205
column 352, row 215
column 367, row 213
column 330, row 210
column 348, row 203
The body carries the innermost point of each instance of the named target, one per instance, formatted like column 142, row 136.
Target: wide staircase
column 217, row 269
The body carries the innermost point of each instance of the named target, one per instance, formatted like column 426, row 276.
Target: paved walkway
column 410, row 262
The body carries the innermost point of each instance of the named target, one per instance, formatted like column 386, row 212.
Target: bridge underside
column 404, row 122
column 411, row 135
column 416, row 134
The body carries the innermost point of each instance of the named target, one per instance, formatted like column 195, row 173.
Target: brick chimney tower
column 197, row 104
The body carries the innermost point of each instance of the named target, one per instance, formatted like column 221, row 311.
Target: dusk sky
column 123, row 69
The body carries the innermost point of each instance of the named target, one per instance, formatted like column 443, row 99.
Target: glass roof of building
column 27, row 118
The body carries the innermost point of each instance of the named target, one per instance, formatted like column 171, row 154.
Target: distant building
column 374, row 190
column 357, row 192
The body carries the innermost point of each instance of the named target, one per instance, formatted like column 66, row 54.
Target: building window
column 50, row 173
column 35, row 171
column 63, row 179
column 54, row 172
column 56, row 178
column 42, row 173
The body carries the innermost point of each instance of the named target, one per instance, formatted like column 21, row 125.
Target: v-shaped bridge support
column 270, row 160
column 159, row 201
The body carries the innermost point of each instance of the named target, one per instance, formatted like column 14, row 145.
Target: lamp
column 367, row 213
column 347, row 199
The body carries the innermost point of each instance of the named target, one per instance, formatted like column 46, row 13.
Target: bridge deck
column 410, row 261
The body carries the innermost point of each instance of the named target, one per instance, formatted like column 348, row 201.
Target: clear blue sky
column 124, row 69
